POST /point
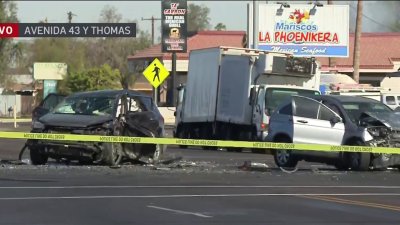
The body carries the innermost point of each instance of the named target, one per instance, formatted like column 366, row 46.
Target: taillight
column 265, row 122
column 263, row 126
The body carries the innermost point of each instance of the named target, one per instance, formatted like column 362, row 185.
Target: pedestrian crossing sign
column 156, row 73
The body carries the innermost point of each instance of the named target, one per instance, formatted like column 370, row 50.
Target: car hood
column 389, row 119
column 68, row 120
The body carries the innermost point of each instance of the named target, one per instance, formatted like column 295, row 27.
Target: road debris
column 254, row 166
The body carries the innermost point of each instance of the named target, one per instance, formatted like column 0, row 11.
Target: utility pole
column 357, row 37
column 70, row 15
column 331, row 60
column 255, row 24
column 152, row 27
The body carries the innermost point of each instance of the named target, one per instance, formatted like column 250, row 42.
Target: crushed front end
column 382, row 133
column 71, row 150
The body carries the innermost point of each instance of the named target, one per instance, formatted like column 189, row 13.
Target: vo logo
column 8, row 30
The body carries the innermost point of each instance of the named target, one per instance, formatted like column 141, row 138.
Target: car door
column 312, row 123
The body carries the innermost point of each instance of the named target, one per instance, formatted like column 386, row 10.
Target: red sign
column 9, row 30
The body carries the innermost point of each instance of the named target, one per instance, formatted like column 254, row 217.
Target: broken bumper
column 63, row 149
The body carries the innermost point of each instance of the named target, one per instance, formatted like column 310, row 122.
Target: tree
column 98, row 78
column 80, row 54
column 198, row 18
column 8, row 13
column 220, row 26
column 109, row 14
column 114, row 51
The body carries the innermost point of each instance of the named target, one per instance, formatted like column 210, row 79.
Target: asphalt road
column 204, row 187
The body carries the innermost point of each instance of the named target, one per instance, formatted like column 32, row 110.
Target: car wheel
column 285, row 158
column 112, row 154
column 37, row 157
column 158, row 153
column 342, row 163
column 359, row 161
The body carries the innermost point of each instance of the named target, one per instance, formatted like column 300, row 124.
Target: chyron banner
column 174, row 26
column 305, row 30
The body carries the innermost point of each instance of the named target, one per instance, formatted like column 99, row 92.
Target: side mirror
column 175, row 113
column 335, row 120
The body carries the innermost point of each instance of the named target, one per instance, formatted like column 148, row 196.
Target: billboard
column 49, row 71
column 174, row 25
column 304, row 29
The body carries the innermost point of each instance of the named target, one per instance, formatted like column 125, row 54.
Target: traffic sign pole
column 155, row 96
column 173, row 79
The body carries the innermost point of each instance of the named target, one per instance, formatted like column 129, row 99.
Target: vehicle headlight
column 37, row 125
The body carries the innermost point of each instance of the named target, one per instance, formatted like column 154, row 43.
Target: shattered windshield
column 86, row 105
column 355, row 109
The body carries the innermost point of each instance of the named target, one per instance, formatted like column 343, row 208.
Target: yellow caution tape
column 197, row 142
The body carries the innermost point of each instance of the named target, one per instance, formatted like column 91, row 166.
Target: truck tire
column 233, row 136
column 37, row 157
column 180, row 133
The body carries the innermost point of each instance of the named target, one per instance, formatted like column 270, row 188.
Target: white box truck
column 230, row 92
column 391, row 90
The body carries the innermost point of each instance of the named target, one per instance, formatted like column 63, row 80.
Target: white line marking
column 180, row 211
column 193, row 196
column 195, row 186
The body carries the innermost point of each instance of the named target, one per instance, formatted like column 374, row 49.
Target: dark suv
column 108, row 112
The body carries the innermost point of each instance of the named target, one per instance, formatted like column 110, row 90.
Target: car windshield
column 86, row 105
column 355, row 109
column 275, row 96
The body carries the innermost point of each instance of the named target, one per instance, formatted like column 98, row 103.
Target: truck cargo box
column 218, row 87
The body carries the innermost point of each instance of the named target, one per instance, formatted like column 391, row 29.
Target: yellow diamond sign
column 156, row 73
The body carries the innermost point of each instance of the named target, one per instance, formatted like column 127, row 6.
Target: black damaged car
column 107, row 112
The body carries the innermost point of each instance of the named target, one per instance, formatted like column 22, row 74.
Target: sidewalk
column 19, row 120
